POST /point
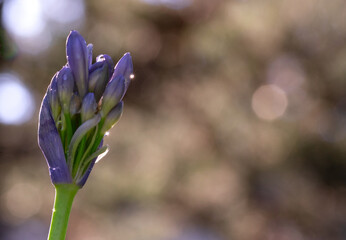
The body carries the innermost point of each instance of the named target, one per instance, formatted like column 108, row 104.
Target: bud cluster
column 83, row 101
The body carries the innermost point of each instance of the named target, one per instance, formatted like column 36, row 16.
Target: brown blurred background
column 234, row 126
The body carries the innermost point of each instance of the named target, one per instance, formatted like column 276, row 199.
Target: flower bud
column 72, row 141
column 106, row 58
column 75, row 104
column 113, row 94
column 124, row 67
column 78, row 60
column 112, row 117
column 89, row 107
column 65, row 83
column 98, row 79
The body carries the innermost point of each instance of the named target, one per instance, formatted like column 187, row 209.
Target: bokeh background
column 234, row 127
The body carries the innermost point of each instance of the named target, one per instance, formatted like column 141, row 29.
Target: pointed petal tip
column 127, row 58
column 128, row 54
column 73, row 35
column 74, row 32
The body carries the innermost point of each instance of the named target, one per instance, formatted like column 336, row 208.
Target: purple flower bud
column 113, row 94
column 99, row 75
column 89, row 107
column 112, row 117
column 109, row 61
column 98, row 78
column 125, row 68
column 78, row 60
column 71, row 142
column 65, row 83
column 75, row 104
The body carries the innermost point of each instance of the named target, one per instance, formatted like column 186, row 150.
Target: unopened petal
column 113, row 94
column 78, row 60
column 124, row 67
column 89, row 106
column 112, row 117
column 65, row 84
column 98, row 79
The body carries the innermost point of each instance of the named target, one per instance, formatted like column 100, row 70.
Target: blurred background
column 234, row 126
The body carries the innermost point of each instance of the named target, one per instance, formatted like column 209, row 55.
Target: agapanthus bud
column 78, row 60
column 112, row 117
column 113, row 94
column 99, row 75
column 98, row 79
column 72, row 142
column 125, row 68
column 89, row 106
column 65, row 83
column 75, row 104
column 109, row 61
column 53, row 99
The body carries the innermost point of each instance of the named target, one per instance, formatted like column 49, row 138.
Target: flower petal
column 65, row 84
column 106, row 58
column 89, row 106
column 51, row 146
column 124, row 67
column 113, row 94
column 98, row 79
column 112, row 117
column 75, row 104
column 78, row 60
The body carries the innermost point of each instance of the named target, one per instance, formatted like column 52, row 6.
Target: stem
column 64, row 195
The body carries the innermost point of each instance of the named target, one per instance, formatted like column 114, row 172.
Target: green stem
column 64, row 195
